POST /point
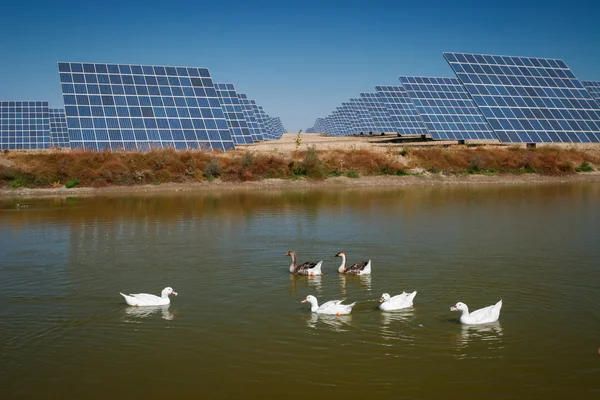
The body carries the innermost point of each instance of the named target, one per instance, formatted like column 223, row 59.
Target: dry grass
column 97, row 169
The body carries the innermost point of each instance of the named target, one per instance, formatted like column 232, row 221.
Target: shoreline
column 377, row 181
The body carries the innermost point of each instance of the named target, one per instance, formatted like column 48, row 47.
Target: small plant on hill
column 353, row 174
column 585, row 167
column 403, row 152
column 298, row 139
column 71, row 183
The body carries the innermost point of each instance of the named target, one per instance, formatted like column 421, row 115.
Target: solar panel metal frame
column 24, row 125
column 140, row 107
column 446, row 108
column 593, row 88
column 529, row 99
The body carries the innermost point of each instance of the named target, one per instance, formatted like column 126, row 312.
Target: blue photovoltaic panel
column 266, row 122
column 59, row 134
column 139, row 107
column 593, row 87
column 259, row 119
column 251, row 120
column 401, row 110
column 446, row 108
column 354, row 126
column 529, row 99
column 379, row 114
column 365, row 122
column 234, row 113
column 24, row 125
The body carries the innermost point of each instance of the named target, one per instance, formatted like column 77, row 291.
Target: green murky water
column 238, row 329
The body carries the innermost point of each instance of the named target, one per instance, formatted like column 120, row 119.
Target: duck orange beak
column 453, row 308
column 381, row 300
column 304, row 301
column 175, row 293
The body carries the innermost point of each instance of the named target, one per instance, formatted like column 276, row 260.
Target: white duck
column 363, row 268
column 398, row 302
column 482, row 316
column 145, row 299
column 333, row 307
column 308, row 268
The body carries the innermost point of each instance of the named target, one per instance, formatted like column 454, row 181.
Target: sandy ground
column 287, row 144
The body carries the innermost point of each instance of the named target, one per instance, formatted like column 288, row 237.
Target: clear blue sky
column 299, row 59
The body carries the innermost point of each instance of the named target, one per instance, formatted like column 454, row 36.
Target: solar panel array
column 529, row 99
column 446, row 108
column 24, row 125
column 510, row 99
column 593, row 88
column 234, row 113
column 403, row 114
column 139, row 107
column 59, row 134
column 253, row 124
column 378, row 112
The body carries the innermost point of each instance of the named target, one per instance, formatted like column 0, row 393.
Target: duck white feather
column 398, row 302
column 333, row 307
column 145, row 299
column 482, row 316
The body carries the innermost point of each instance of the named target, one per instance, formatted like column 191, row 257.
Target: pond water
column 238, row 327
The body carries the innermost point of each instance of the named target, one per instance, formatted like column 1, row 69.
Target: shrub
column 71, row 183
column 213, row 169
column 312, row 166
column 584, row 167
column 18, row 182
column 163, row 175
column 403, row 152
column 353, row 174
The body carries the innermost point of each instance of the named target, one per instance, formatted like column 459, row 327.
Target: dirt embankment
column 295, row 161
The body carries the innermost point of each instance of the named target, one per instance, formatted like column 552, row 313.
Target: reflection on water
column 312, row 283
column 359, row 281
column 475, row 337
column 133, row 314
column 337, row 323
column 395, row 323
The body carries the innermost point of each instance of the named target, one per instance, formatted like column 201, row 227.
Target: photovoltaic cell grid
column 378, row 111
column 24, row 125
column 402, row 111
column 365, row 122
column 138, row 107
column 446, row 108
column 260, row 120
column 529, row 99
column 59, row 134
column 593, row 87
column 234, row 113
column 251, row 120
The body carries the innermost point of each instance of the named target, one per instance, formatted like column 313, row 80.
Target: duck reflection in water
column 338, row 323
column 146, row 312
column 489, row 334
column 314, row 282
column 395, row 317
column 362, row 280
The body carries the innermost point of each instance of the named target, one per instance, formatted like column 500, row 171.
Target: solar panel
column 446, row 108
column 279, row 126
column 59, row 134
column 139, row 107
column 351, row 118
column 253, row 124
column 365, row 122
column 402, row 111
column 234, row 114
column 378, row 111
column 259, row 119
column 593, row 88
column 529, row 99
column 24, row 125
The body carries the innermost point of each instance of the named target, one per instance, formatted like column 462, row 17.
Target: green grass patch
column 584, row 167
column 71, row 183
column 353, row 174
